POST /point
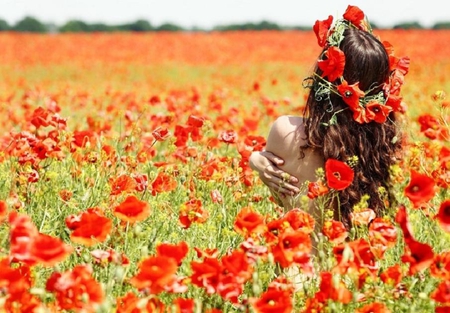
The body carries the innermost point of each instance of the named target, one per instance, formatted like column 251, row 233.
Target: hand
column 267, row 165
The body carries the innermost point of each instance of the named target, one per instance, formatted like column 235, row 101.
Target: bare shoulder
column 286, row 135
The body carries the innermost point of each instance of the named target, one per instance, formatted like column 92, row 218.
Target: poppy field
column 125, row 184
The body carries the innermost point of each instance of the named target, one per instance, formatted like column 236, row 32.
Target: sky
column 209, row 13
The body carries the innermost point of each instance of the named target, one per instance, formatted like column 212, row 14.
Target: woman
column 350, row 115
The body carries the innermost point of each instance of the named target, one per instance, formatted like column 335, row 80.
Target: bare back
column 284, row 140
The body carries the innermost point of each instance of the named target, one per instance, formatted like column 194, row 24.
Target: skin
column 280, row 166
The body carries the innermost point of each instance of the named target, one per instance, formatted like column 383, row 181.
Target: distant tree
column 138, row 26
column 441, row 25
column 75, row 26
column 4, row 25
column 30, row 24
column 264, row 25
column 169, row 27
column 100, row 27
column 408, row 25
column 299, row 27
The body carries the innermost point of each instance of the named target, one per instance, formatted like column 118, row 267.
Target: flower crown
column 366, row 107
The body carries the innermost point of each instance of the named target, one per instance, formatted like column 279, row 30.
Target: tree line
column 31, row 24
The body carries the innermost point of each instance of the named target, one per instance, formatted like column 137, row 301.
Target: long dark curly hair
column 376, row 145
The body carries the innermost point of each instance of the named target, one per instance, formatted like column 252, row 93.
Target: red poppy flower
column 183, row 305
column 257, row 143
column 300, row 220
column 392, row 275
column 160, row 134
column 163, row 183
column 22, row 233
column 249, row 222
column 361, row 257
column 254, row 251
column 216, row 196
column 132, row 210
column 206, row 253
column 3, row 211
column 65, row 194
column 76, row 289
column 379, row 112
column 238, row 265
column 317, row 189
column 375, row 307
column 402, row 219
column 15, row 283
column 419, row 256
column 102, row 256
column 29, row 246
column 442, row 293
column 440, row 268
column 399, row 64
column 192, row 211
column 141, row 181
column 442, row 309
column 444, row 158
column 293, row 247
column 195, row 121
column 354, row 15
column 362, row 217
column 335, row 231
column 156, row 273
column 338, row 174
column 396, row 83
column 89, row 227
column 427, row 121
column 420, row 189
column 41, row 117
column 48, row 250
column 229, row 136
column 182, row 134
column 395, row 102
column 208, row 169
column 382, row 235
column 272, row 301
column 350, row 94
column 334, row 64
column 321, row 29
column 122, row 183
column 443, row 215
column 177, row 252
column 362, row 115
column 332, row 289
column 83, row 138
column 206, row 274
column 128, row 303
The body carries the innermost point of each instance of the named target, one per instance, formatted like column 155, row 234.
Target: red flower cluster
column 76, row 289
column 332, row 65
column 29, row 246
column 89, row 227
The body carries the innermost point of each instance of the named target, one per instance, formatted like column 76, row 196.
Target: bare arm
column 279, row 146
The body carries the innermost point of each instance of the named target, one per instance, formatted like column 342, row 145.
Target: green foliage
column 169, row 27
column 408, row 25
column 441, row 25
column 138, row 26
column 263, row 25
column 30, row 24
column 4, row 25
column 75, row 26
